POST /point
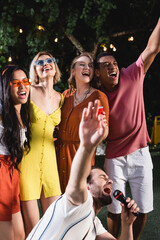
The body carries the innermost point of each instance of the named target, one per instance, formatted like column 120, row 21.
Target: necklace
column 77, row 101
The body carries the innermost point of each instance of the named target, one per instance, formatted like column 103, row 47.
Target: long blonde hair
column 71, row 79
column 32, row 71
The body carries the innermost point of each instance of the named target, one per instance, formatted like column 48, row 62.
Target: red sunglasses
column 17, row 83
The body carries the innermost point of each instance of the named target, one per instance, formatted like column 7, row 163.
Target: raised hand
column 92, row 126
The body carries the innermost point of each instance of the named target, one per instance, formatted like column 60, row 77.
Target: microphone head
column 117, row 193
column 119, row 196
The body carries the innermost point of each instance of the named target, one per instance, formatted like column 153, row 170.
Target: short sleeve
column 62, row 100
column 134, row 72
column 99, row 227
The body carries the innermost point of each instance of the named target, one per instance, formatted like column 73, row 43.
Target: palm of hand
column 127, row 216
column 90, row 132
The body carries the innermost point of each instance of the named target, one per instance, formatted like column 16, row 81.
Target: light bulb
column 10, row 59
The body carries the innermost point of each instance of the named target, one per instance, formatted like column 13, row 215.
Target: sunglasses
column 42, row 62
column 17, row 83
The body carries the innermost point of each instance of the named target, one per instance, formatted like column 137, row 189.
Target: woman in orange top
column 76, row 99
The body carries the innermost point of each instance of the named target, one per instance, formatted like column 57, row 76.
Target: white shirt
column 3, row 148
column 0, row 98
column 62, row 220
column 0, row 107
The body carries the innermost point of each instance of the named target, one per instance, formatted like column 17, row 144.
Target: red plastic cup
column 100, row 110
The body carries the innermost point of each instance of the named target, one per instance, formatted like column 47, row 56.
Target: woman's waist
column 37, row 139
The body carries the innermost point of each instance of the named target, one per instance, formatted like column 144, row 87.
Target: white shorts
column 136, row 169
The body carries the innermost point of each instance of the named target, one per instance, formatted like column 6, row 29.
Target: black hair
column 96, row 81
column 11, row 133
column 101, row 54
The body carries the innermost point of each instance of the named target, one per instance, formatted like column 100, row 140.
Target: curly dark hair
column 11, row 133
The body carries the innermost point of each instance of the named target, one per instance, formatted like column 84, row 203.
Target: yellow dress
column 38, row 168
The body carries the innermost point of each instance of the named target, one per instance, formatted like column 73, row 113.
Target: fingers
column 87, row 112
column 102, row 117
column 92, row 112
column 84, row 114
column 90, row 109
column 95, row 108
column 132, row 205
column 102, row 128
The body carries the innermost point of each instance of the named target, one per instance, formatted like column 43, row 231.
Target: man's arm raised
column 153, row 47
column 91, row 133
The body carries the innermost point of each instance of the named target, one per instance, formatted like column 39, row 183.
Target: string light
column 20, row 30
column 56, row 40
column 131, row 38
column 104, row 48
column 10, row 59
column 41, row 28
column 103, row 45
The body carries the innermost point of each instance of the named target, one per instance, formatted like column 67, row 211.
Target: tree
column 87, row 24
column 67, row 28
column 82, row 25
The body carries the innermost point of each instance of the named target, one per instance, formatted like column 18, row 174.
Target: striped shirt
column 63, row 220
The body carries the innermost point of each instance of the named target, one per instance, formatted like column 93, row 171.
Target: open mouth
column 85, row 74
column 107, row 190
column 46, row 69
column 114, row 74
column 22, row 93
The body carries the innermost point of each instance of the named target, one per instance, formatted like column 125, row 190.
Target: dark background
column 81, row 25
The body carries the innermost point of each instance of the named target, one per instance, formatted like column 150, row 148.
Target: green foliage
column 99, row 11
column 90, row 22
column 72, row 19
column 2, row 61
column 87, row 23
column 6, row 41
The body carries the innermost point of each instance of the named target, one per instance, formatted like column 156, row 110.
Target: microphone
column 120, row 197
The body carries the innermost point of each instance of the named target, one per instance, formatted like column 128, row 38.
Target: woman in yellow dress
column 38, row 170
